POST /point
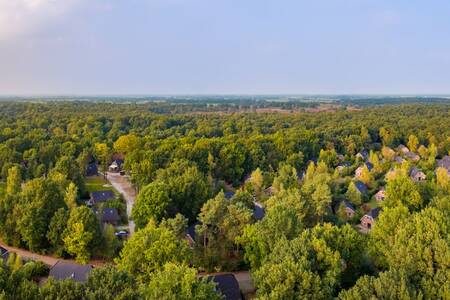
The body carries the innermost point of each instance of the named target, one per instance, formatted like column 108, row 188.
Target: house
column 398, row 159
column 4, row 254
column 258, row 211
column 348, row 208
column 403, row 149
column 368, row 220
column 363, row 154
column 110, row 216
column 361, row 187
column 358, row 171
column 228, row 286
column 63, row 270
column 417, row 175
column 91, row 169
column 341, row 166
column 101, row 196
column 444, row 162
column 380, row 195
column 115, row 166
column 412, row 156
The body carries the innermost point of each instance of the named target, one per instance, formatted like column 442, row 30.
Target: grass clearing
column 97, row 183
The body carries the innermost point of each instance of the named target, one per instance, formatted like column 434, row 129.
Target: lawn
column 97, row 183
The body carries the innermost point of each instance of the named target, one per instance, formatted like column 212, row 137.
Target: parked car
column 122, row 233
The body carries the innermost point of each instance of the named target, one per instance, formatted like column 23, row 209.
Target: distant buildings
column 368, row 220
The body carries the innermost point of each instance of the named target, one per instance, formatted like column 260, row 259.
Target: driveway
column 124, row 186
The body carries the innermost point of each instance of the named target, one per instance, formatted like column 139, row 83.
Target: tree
column 401, row 190
column 149, row 249
column 151, row 203
column 180, row 282
column 62, row 289
column 70, row 197
column 322, row 200
column 102, row 153
column 110, row 283
column 388, row 285
column 286, row 179
column 366, row 177
column 112, row 244
column 257, row 181
column 177, row 225
column 82, row 235
column 55, row 233
column 443, row 179
column 14, row 181
column 413, row 142
column 244, row 198
column 77, row 241
column 126, row 143
column 353, row 194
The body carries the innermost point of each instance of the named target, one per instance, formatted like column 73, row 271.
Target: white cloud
column 19, row 17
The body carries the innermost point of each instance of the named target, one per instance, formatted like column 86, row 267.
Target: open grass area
column 97, row 183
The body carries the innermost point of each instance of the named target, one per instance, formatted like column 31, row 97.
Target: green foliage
column 152, row 203
column 353, row 194
column 179, row 282
column 401, row 190
column 55, row 234
column 149, row 249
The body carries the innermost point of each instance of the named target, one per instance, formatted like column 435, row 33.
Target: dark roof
column 348, row 204
column 102, row 196
column 191, row 230
column 258, row 211
column 62, row 270
column 414, row 171
column 4, row 254
column 374, row 212
column 229, row 195
column 362, row 188
column 344, row 164
column 91, row 169
column 228, row 286
column 110, row 215
column 364, row 153
column 369, row 166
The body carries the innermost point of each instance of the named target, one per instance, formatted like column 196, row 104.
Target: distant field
column 97, row 183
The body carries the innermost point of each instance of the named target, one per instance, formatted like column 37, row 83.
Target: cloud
column 18, row 17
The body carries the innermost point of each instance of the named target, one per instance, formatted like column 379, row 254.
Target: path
column 46, row 259
column 123, row 186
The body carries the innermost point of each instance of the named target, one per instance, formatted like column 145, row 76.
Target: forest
column 342, row 204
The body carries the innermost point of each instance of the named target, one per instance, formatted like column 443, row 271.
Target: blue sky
column 224, row 46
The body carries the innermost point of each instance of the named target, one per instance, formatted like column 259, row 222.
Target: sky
column 106, row 47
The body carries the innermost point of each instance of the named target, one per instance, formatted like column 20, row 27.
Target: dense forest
column 356, row 202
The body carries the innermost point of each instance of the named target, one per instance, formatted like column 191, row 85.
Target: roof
column 363, row 153
column 4, row 254
column 229, row 195
column 191, row 230
column 110, row 215
column 258, row 211
column 348, row 204
column 369, row 166
column 228, row 286
column 374, row 212
column 362, row 188
column 444, row 162
column 102, row 196
column 91, row 169
column 415, row 171
column 63, row 270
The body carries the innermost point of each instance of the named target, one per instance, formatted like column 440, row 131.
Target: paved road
column 123, row 186
column 46, row 259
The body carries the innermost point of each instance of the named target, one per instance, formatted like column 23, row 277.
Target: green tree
column 286, row 179
column 257, row 180
column 77, row 242
column 413, row 142
column 112, row 244
column 179, row 282
column 401, row 190
column 149, row 249
column 55, row 233
column 126, row 143
column 152, row 202
column 70, row 197
column 353, row 194
column 14, row 181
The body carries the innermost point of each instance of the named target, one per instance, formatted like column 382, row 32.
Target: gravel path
column 123, row 186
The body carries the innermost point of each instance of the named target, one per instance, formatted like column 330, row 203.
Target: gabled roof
column 415, row 171
column 110, row 215
column 373, row 213
column 444, row 162
column 4, row 254
column 63, row 270
column 362, row 188
column 348, row 204
column 102, row 196
column 369, row 165
column 228, row 286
